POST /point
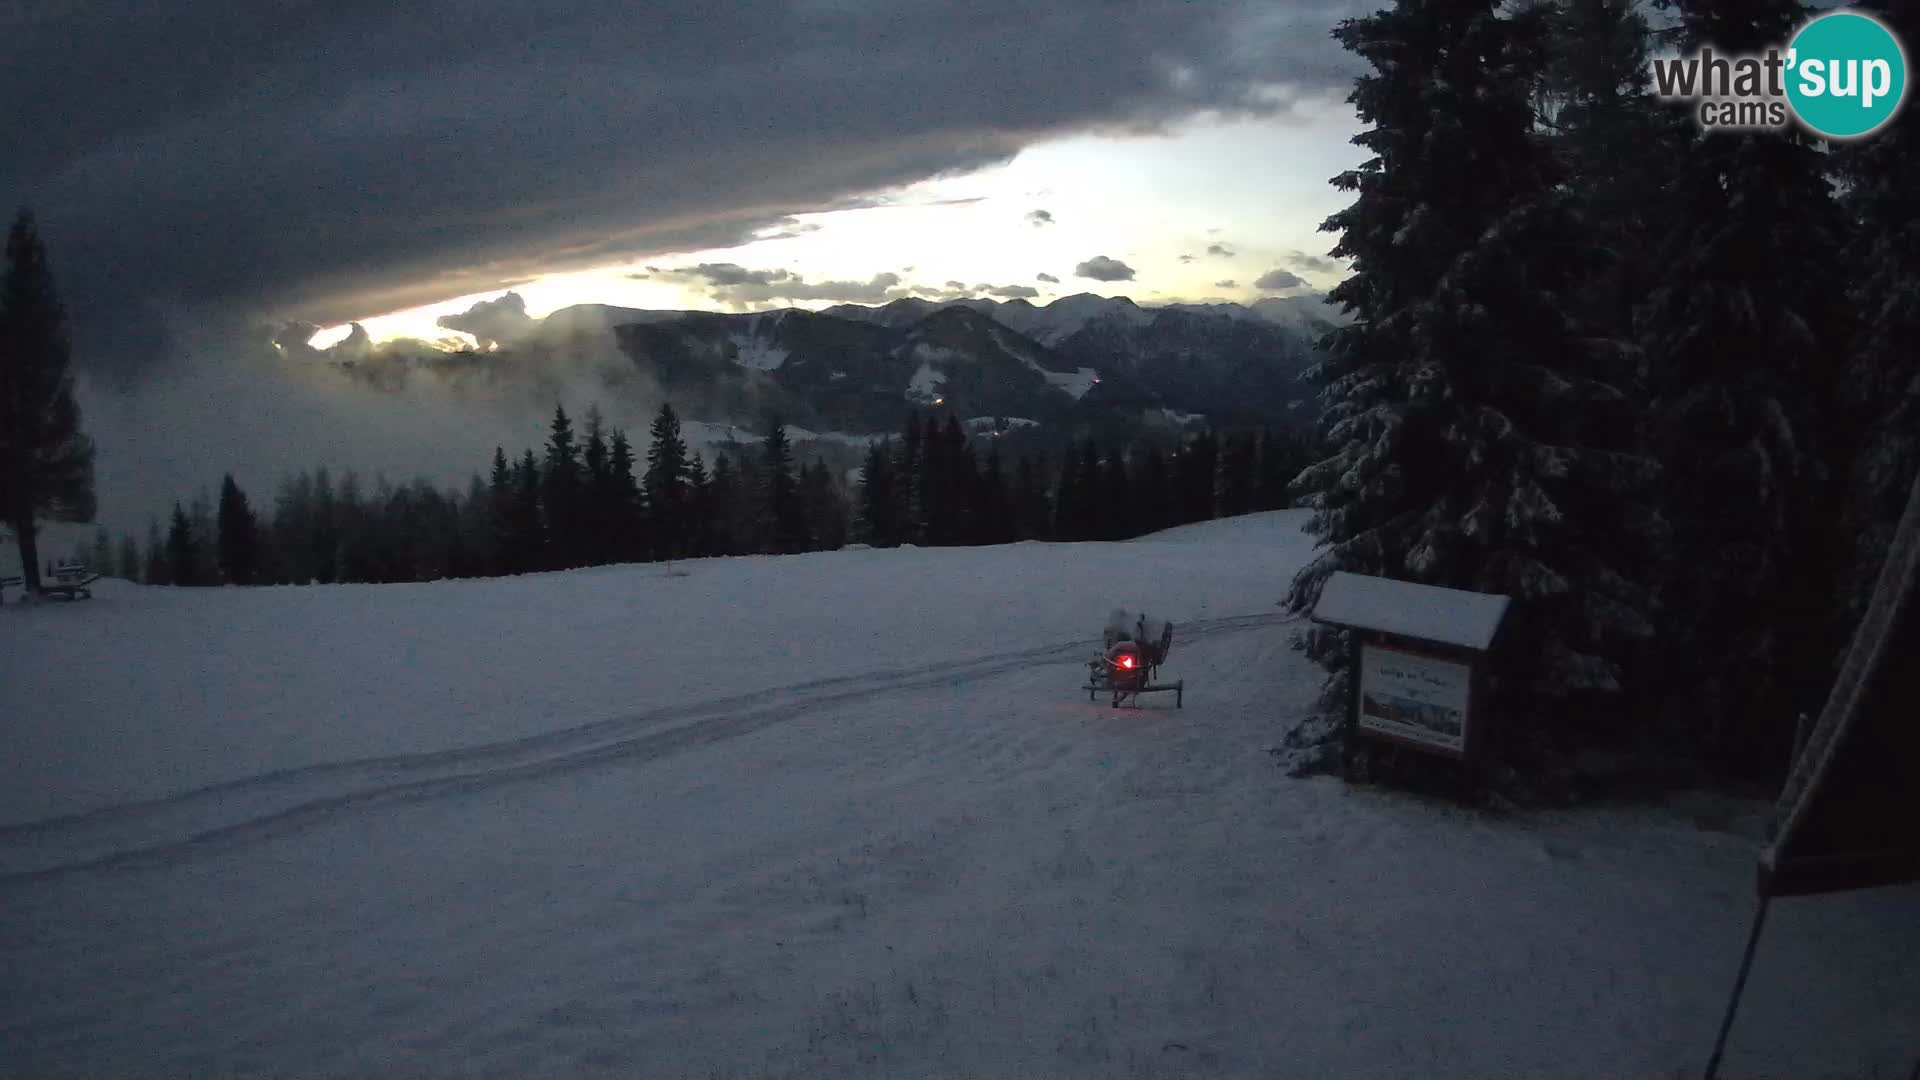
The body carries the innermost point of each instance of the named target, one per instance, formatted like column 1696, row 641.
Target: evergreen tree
column 529, row 518
column 879, row 500
column 1470, row 439
column 665, row 485
column 597, row 512
column 562, row 491
column 1617, row 144
column 477, row 552
column 1116, row 502
column 127, row 566
column 825, row 508
column 907, row 477
column 1029, row 499
column 183, row 557
column 1090, row 495
column 200, row 514
column 1741, row 332
column 1152, row 491
column 353, row 540
column 728, row 499
column 782, row 524
column 239, row 535
column 628, row 543
column 699, row 506
column 1066, row 496
column 500, row 516
column 46, row 463
column 994, row 523
column 1194, row 471
column 290, row 554
column 324, row 538
column 951, row 477
column 100, row 557
column 1234, row 485
column 155, row 570
column 1882, row 390
column 1279, row 458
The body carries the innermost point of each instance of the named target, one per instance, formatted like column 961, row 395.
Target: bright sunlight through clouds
column 1208, row 204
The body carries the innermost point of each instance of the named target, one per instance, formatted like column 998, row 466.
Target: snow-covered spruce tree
column 1619, row 145
column 1882, row 390
column 1467, row 442
column 1741, row 334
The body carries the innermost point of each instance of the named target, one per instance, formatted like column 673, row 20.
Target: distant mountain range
column 1080, row 365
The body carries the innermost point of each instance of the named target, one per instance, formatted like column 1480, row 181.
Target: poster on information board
column 1414, row 698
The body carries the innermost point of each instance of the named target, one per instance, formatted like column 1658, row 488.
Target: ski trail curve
column 287, row 800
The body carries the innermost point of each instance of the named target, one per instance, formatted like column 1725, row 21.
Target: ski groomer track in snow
column 237, row 811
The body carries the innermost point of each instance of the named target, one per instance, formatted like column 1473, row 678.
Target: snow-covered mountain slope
column 835, row 814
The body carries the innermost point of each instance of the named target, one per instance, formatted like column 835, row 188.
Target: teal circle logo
column 1846, row 74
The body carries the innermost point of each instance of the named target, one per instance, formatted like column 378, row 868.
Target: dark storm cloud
column 1039, row 217
column 322, row 161
column 728, row 274
column 1221, row 250
column 1101, row 268
column 1048, row 278
column 1278, row 279
column 1009, row 292
column 744, row 289
column 1312, row 264
column 787, row 230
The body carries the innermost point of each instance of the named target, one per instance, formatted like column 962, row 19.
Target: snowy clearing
column 752, row 352
column 1075, row 383
column 833, row 814
column 926, row 382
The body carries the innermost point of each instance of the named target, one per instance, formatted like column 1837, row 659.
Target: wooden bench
column 70, row 581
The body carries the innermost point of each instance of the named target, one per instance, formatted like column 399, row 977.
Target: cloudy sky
column 328, row 160
column 206, row 172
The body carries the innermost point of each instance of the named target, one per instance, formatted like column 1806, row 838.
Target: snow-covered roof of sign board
column 1426, row 612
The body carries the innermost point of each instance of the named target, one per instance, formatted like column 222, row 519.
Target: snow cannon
column 1133, row 653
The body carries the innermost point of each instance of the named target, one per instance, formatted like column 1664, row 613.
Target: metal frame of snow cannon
column 1127, row 666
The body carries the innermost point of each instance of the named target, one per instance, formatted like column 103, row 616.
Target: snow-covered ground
column 834, row 814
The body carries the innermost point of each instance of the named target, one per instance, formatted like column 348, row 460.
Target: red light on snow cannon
column 1126, row 661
